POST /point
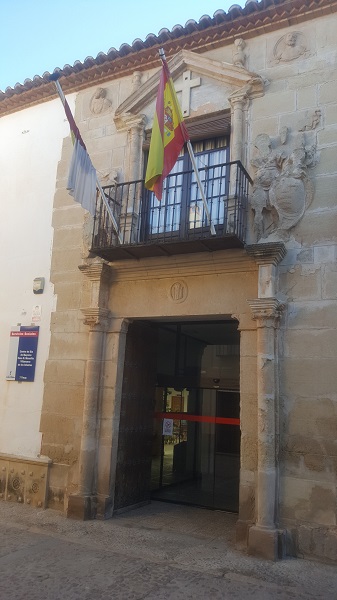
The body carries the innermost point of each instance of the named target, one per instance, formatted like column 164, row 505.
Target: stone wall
column 301, row 96
column 289, row 147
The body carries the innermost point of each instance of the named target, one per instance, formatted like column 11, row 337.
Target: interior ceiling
column 211, row 333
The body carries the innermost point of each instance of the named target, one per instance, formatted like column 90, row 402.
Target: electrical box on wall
column 38, row 285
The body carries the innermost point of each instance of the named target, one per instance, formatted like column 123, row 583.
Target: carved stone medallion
column 178, row 292
column 290, row 46
column 99, row 103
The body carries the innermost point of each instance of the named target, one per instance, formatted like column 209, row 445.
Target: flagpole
column 201, row 189
column 193, row 161
column 100, row 189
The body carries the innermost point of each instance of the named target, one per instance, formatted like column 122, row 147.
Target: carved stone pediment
column 225, row 77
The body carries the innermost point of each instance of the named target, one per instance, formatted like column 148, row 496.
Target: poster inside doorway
column 22, row 353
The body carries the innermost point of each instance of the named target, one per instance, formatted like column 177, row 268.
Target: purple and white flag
column 82, row 174
column 82, row 178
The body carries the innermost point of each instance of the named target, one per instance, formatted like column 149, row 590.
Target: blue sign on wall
column 22, row 353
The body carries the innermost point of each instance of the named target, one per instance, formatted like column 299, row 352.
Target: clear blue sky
column 39, row 35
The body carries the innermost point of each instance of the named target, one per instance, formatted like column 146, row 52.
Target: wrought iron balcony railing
column 178, row 223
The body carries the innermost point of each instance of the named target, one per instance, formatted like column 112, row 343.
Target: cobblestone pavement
column 160, row 551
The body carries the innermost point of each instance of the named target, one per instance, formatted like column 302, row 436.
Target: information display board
column 22, row 353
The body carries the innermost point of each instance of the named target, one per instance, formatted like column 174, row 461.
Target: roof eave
column 257, row 18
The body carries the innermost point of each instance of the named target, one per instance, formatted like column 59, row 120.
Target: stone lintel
column 265, row 543
column 265, row 308
column 80, row 507
column 267, row 253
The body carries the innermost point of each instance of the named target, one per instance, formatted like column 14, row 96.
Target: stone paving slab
column 156, row 552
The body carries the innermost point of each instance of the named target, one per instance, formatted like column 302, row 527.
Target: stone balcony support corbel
column 267, row 256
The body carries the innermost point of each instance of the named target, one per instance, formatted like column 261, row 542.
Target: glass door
column 196, row 447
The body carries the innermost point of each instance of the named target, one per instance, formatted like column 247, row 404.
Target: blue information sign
column 22, row 353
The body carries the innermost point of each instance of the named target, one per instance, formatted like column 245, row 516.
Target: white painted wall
column 30, row 148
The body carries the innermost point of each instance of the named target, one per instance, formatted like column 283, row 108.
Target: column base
column 241, row 534
column 81, row 507
column 266, row 543
column 104, row 507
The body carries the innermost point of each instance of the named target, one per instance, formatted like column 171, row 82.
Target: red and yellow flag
column 169, row 134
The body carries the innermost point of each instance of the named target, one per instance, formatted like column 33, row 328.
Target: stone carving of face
column 100, row 93
column 240, row 43
column 290, row 39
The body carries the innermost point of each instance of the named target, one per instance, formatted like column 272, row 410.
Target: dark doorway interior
column 180, row 431
column 133, row 471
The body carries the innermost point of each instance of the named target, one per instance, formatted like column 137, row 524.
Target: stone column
column 135, row 126
column 130, row 211
column 239, row 101
column 83, row 504
column 238, row 106
column 248, row 410
column 110, row 416
column 264, row 537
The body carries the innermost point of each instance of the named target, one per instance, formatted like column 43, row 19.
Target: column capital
column 266, row 308
column 267, row 253
column 95, row 316
column 127, row 121
column 238, row 101
column 253, row 88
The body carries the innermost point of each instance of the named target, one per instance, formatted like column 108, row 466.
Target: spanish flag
column 169, row 134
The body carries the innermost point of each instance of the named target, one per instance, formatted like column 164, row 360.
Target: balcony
column 178, row 223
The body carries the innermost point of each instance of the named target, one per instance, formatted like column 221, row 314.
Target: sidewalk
column 160, row 551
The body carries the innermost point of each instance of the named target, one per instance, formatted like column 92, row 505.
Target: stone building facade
column 249, row 313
